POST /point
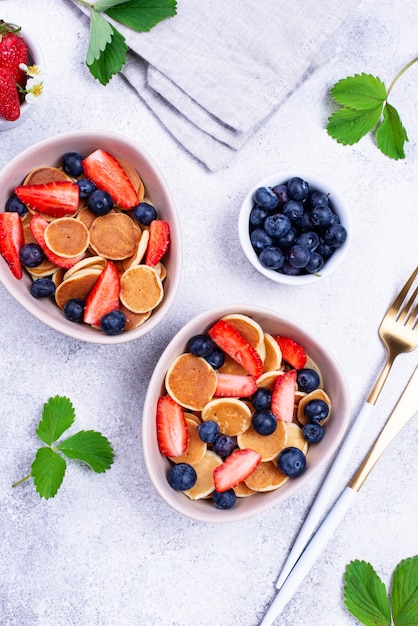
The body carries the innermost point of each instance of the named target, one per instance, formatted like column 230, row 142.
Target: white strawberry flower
column 34, row 84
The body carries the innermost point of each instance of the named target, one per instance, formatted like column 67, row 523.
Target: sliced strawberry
column 172, row 433
column 234, row 386
column 104, row 297
column 292, row 352
column 11, row 240
column 58, row 198
column 236, row 468
column 233, row 343
column 283, row 396
column 9, row 96
column 38, row 225
column 158, row 243
column 108, row 175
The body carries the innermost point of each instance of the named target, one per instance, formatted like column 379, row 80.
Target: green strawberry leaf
column 391, row 135
column 58, row 415
column 47, row 471
column 348, row 126
column 104, row 5
column 111, row 59
column 405, row 593
column 101, row 33
column 90, row 447
column 361, row 92
column 365, row 595
column 142, row 15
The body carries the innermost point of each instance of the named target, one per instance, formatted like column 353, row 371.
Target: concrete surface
column 107, row 550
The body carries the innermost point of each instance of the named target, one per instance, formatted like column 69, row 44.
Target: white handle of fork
column 325, row 493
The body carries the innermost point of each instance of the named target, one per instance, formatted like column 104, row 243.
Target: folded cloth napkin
column 213, row 73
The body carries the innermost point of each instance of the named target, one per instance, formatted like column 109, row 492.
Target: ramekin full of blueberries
column 294, row 228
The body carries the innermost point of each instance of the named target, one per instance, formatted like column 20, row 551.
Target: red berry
column 58, row 198
column 237, row 347
column 38, row 225
column 234, row 386
column 158, row 243
column 104, row 297
column 11, row 240
column 283, row 396
column 108, row 175
column 172, row 433
column 9, row 97
column 292, row 352
column 13, row 52
column 235, row 469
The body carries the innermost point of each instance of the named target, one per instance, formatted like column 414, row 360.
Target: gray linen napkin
column 214, row 73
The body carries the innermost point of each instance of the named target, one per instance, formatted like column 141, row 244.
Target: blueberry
column 260, row 239
column 216, row 358
column 74, row 310
column 261, row 399
column 182, row 476
column 298, row 256
column 14, row 205
column 317, row 198
column 313, row 433
column 224, row 446
column 287, row 240
column 305, row 223
column 100, row 202
column 42, row 288
column 31, row 255
column 292, row 462
column 298, row 188
column 289, row 270
column 309, row 239
column 200, row 345
column 72, row 164
column 325, row 250
column 277, row 225
column 315, row 263
column 293, row 210
column 321, row 216
column 145, row 213
column 113, row 323
column 264, row 422
column 85, row 187
column 316, row 411
column 271, row 258
column 282, row 193
column 307, row 379
column 208, row 431
column 335, row 235
column 257, row 216
column 266, row 198
column 224, row 499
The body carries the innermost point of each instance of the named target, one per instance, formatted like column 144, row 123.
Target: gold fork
column 399, row 333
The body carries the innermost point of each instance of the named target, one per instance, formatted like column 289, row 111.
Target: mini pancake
column 242, row 491
column 94, row 262
column 133, row 320
column 58, row 276
column 196, row 448
column 134, row 177
column 162, row 270
column 230, row 366
column 204, row 485
column 268, row 446
column 268, row 379
column 232, row 415
column 45, row 174
column 138, row 255
column 317, row 394
column 141, row 289
column 266, row 477
column 191, row 381
column 194, row 418
column 247, row 327
column 273, row 358
column 114, row 236
column 313, row 366
column 295, row 437
column 67, row 237
column 43, row 270
column 86, row 216
column 78, row 285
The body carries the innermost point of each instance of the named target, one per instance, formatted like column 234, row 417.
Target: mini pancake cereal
column 236, row 423
column 86, row 230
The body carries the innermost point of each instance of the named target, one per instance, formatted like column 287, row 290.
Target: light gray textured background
column 107, row 550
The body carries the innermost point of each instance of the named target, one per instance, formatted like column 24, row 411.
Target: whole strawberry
column 9, row 96
column 13, row 51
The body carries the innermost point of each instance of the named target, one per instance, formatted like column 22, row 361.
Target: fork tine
column 406, row 314
column 397, row 303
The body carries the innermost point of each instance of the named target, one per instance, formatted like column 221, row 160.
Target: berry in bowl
column 89, row 236
column 243, row 408
column 294, row 228
column 21, row 81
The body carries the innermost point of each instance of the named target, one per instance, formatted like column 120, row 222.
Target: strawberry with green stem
column 13, row 52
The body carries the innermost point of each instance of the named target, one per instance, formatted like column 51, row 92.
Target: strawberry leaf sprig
column 366, row 598
column 49, row 466
column 106, row 53
column 365, row 108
